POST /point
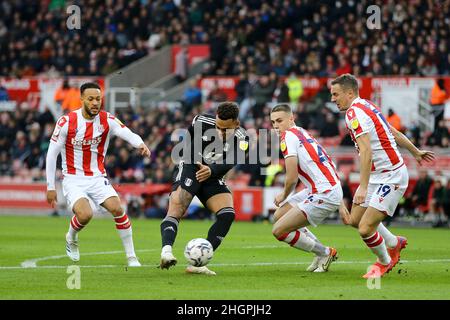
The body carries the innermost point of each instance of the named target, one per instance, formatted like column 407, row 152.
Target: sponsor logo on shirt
column 88, row 142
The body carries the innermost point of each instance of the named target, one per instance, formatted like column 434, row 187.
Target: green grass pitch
column 250, row 264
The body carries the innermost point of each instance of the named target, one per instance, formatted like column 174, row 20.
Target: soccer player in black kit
column 212, row 146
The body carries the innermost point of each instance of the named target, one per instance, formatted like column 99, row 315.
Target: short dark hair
column 347, row 81
column 89, row 85
column 281, row 107
column 228, row 110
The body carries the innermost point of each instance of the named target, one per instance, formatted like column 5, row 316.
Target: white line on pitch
column 254, row 264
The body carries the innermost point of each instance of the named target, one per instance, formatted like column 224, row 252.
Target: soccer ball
column 198, row 252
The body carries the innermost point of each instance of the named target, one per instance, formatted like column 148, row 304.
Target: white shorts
column 317, row 206
column 386, row 196
column 98, row 189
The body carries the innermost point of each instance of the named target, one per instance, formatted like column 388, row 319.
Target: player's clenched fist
column 144, row 150
column 51, row 198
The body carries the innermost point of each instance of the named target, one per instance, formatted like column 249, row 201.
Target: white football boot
column 200, row 270
column 325, row 261
column 167, row 258
column 314, row 265
column 133, row 262
column 72, row 249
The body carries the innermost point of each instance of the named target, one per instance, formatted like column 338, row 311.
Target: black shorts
column 184, row 176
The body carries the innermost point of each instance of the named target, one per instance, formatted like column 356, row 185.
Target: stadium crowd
column 318, row 38
column 259, row 41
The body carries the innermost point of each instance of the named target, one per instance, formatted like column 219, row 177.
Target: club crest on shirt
column 354, row 124
column 243, row 145
column 188, row 182
column 101, row 129
column 283, row 146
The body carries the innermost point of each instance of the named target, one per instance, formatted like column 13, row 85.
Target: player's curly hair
column 228, row 110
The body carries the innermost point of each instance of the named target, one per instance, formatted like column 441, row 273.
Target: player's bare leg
column 82, row 215
column 123, row 226
column 394, row 243
column 178, row 203
column 281, row 211
column 374, row 240
column 286, row 230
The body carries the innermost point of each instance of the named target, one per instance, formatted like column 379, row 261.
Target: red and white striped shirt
column 83, row 144
column 315, row 168
column 365, row 117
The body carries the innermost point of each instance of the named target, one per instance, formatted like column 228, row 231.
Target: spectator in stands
column 155, row 206
column 262, row 93
column 68, row 97
column 438, row 97
column 20, row 148
column 3, row 94
column 437, row 204
column 394, row 120
column 192, row 96
column 217, row 94
column 282, row 91
column 440, row 136
column 330, row 126
column 420, row 194
column 61, row 92
column 295, row 87
column 181, row 63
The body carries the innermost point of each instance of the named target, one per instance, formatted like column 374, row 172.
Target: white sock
column 300, row 241
column 390, row 239
column 309, row 234
column 167, row 248
column 376, row 243
column 123, row 225
column 127, row 240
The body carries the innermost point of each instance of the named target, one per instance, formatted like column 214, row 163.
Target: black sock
column 220, row 228
column 169, row 228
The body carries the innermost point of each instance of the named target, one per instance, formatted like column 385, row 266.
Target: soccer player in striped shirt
column 82, row 138
column 307, row 160
column 383, row 174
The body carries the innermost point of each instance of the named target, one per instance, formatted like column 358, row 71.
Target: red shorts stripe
column 71, row 133
column 87, row 153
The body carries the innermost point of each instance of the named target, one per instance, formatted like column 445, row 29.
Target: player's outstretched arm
column 120, row 130
column 404, row 142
